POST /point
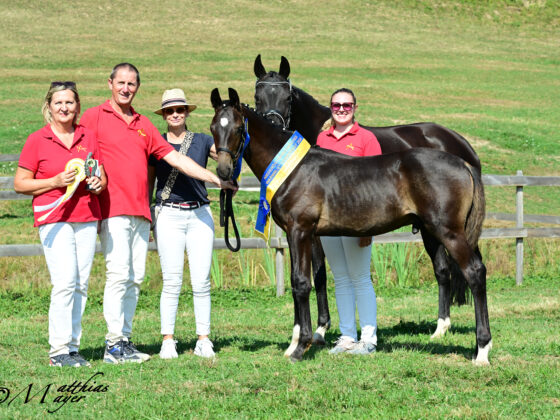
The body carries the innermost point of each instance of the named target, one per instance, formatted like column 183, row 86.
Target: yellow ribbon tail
column 77, row 165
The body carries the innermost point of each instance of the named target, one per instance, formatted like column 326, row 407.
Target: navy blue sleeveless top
column 185, row 187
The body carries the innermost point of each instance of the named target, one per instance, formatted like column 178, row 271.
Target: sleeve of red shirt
column 372, row 147
column 28, row 156
column 157, row 147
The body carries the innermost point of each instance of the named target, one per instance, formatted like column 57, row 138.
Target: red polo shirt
column 46, row 156
column 356, row 142
column 126, row 149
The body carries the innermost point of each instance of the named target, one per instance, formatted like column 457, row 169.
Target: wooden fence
column 279, row 243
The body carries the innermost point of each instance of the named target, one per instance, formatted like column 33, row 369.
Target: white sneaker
column 363, row 347
column 204, row 348
column 343, row 344
column 168, row 349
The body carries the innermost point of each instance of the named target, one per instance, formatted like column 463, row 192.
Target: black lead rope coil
column 226, row 212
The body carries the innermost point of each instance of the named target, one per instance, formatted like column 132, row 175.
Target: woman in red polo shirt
column 51, row 167
column 349, row 257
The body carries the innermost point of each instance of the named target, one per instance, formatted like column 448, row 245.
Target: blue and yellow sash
column 275, row 174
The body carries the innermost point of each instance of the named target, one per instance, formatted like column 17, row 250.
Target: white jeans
column 124, row 240
column 350, row 265
column 193, row 230
column 69, row 249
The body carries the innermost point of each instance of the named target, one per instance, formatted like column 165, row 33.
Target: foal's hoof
column 415, row 229
column 443, row 326
column 318, row 340
column 482, row 355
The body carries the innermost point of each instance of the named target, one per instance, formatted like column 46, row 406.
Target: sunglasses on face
column 171, row 111
column 68, row 84
column 346, row 106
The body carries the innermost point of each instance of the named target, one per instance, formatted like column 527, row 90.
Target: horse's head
column 273, row 92
column 228, row 129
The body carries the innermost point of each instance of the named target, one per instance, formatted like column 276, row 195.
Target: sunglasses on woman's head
column 346, row 106
column 68, row 84
column 171, row 111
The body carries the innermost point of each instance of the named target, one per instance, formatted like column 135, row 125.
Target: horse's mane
column 306, row 97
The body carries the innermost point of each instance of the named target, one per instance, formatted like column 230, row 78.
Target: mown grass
column 409, row 377
column 488, row 70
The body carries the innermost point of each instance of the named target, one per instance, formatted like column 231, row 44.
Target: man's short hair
column 127, row 66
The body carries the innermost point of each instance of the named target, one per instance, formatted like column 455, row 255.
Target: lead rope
column 226, row 212
column 226, row 206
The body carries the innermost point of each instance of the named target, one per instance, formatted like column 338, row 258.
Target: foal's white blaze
column 224, row 121
column 294, row 343
column 482, row 356
column 442, row 326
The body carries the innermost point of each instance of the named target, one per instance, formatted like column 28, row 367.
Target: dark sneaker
column 79, row 358
column 129, row 345
column 119, row 353
column 64, row 360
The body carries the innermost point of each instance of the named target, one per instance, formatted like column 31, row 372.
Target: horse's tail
column 473, row 228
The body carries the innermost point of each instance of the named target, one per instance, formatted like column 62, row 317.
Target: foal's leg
column 296, row 329
column 300, row 254
column 437, row 254
column 475, row 273
column 320, row 280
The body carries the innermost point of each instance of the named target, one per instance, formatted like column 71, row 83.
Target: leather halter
column 234, row 156
column 285, row 122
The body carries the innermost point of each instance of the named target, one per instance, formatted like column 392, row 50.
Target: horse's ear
column 284, row 67
column 215, row 98
column 258, row 68
column 234, row 98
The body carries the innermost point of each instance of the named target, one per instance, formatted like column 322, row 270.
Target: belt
column 187, row 205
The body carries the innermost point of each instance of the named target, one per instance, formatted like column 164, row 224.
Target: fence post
column 279, row 263
column 519, row 241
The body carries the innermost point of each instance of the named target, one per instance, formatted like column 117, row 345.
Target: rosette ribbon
column 75, row 165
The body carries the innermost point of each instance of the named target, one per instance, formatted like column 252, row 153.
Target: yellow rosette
column 76, row 165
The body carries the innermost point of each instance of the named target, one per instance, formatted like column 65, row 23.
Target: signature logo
column 81, row 148
column 350, row 146
column 142, row 132
column 70, row 393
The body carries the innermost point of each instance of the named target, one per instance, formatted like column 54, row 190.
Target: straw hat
column 174, row 97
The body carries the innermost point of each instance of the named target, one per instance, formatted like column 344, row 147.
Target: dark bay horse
column 294, row 109
column 439, row 192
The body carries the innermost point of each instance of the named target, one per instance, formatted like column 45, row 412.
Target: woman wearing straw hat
column 184, row 221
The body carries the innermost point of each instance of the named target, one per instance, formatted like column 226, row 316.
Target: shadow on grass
column 385, row 344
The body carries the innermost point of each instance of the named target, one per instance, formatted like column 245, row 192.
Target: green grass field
column 487, row 69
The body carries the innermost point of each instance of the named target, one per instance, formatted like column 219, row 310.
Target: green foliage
column 216, row 272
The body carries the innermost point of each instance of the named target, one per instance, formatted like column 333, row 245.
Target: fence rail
column 279, row 243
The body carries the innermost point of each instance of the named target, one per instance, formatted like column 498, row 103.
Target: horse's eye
column 240, row 130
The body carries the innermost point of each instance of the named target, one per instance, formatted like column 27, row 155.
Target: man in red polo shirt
column 126, row 140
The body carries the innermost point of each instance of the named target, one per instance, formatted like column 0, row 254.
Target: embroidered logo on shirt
column 81, row 148
column 350, row 146
column 141, row 132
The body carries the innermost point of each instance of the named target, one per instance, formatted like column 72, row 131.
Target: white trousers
column 69, row 249
column 177, row 230
column 124, row 240
column 350, row 265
